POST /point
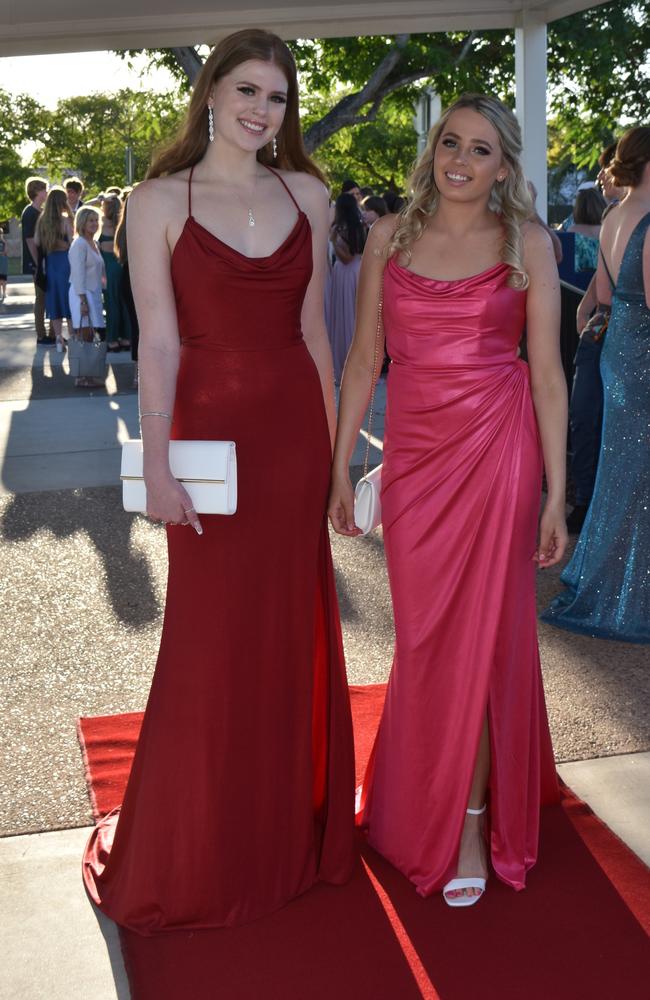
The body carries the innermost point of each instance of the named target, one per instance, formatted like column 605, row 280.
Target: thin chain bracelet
column 155, row 413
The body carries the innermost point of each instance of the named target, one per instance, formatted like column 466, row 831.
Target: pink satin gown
column 460, row 501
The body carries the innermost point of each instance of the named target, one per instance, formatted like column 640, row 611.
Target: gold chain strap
column 375, row 377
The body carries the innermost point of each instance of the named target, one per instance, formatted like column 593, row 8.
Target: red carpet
column 578, row 932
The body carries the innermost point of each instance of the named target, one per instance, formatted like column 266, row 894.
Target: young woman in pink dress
column 463, row 754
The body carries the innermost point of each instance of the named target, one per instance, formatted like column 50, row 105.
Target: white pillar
column 530, row 81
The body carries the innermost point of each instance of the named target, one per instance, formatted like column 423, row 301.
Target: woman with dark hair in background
column 372, row 208
column 348, row 238
column 241, row 794
column 126, row 292
column 118, row 327
column 587, row 216
column 607, row 592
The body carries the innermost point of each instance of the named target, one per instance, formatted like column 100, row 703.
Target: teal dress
column 118, row 326
column 608, row 579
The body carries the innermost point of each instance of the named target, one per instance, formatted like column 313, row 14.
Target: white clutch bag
column 207, row 470
column 367, row 505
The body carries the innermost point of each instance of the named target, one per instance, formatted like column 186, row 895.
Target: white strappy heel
column 473, row 882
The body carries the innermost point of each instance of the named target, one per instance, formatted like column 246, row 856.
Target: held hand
column 169, row 502
column 553, row 537
column 84, row 308
column 340, row 507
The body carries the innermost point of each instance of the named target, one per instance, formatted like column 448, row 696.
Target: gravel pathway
column 80, row 614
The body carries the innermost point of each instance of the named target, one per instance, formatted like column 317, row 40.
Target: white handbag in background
column 207, row 470
column 367, row 504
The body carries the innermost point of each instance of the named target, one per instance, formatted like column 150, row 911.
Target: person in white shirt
column 87, row 277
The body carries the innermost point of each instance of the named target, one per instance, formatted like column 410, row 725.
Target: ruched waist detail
column 476, row 365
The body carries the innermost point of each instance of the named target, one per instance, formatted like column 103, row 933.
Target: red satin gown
column 461, row 485
column 241, row 794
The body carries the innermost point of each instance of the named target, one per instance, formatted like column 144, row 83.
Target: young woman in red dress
column 241, row 794
column 467, row 426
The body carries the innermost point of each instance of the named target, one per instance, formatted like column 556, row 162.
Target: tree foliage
column 359, row 92
column 599, row 74
column 82, row 135
column 90, row 135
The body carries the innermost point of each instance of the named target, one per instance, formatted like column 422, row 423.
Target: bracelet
column 155, row 413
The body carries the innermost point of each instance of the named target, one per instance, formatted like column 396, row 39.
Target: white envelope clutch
column 367, row 505
column 207, row 470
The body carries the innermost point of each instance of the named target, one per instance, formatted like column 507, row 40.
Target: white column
column 530, row 81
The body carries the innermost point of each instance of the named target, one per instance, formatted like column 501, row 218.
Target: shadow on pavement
column 97, row 513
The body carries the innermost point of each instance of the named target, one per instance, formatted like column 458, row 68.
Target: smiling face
column 468, row 160
column 249, row 104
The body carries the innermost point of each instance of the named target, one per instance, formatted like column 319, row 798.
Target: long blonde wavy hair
column 509, row 199
column 51, row 225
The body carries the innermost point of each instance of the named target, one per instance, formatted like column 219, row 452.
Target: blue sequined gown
column 608, row 579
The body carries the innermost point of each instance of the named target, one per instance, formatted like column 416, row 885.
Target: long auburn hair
column 509, row 199
column 191, row 142
column 51, row 222
column 119, row 240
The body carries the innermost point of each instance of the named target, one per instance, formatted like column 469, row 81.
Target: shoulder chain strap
column 375, row 376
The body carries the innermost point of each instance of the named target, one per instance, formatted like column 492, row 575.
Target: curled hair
column 189, row 146
column 632, row 154
column 82, row 217
column 509, row 199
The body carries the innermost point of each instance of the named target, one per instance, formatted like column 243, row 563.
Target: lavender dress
column 340, row 306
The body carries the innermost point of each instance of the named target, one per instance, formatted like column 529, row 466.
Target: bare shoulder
column 536, row 239
column 309, row 191
column 164, row 197
column 381, row 233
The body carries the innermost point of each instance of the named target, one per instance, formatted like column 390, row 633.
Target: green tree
column 90, row 135
column 21, row 118
column 598, row 77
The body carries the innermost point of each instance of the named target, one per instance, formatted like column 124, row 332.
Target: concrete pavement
column 83, row 585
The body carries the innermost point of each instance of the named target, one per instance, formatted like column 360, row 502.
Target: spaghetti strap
column 189, row 192
column 285, row 186
column 611, row 280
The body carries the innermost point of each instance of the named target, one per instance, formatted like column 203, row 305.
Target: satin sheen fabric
column 241, row 794
column 460, row 498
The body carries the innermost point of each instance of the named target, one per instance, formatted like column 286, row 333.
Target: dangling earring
column 210, row 125
column 275, row 148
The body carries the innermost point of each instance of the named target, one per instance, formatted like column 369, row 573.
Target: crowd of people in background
column 75, row 249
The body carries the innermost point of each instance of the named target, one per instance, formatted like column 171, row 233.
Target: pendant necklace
column 249, row 208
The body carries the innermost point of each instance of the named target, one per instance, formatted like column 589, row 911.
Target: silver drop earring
column 210, row 125
column 275, row 148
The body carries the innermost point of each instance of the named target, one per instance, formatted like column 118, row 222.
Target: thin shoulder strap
column 285, row 186
column 602, row 257
column 189, row 192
